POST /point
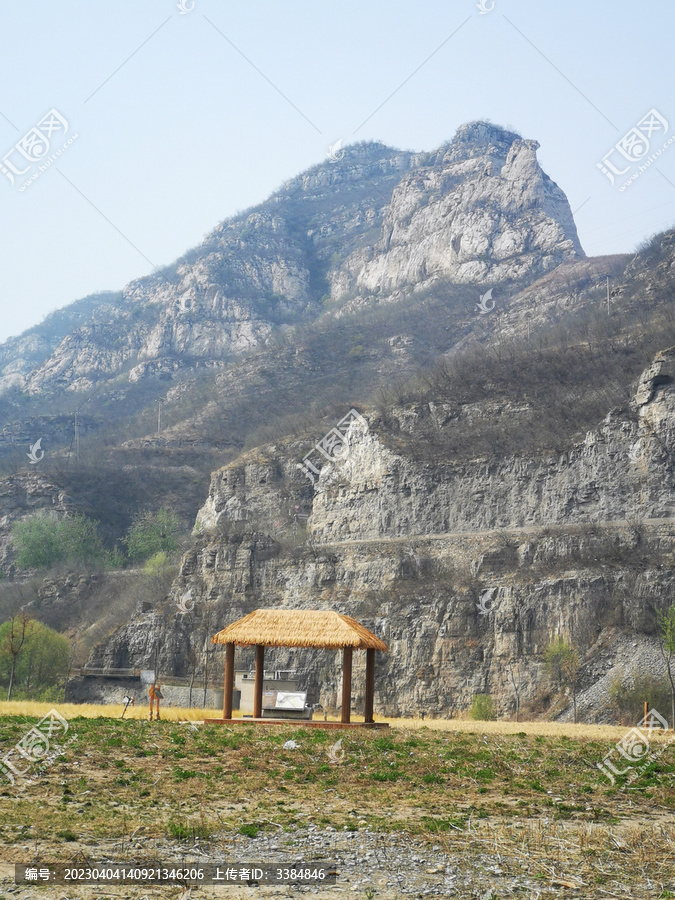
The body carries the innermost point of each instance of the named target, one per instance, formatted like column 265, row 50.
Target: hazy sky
column 182, row 119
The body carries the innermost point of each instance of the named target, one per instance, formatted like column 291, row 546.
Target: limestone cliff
column 481, row 210
column 467, row 570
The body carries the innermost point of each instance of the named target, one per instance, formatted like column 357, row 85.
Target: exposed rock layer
column 466, row 571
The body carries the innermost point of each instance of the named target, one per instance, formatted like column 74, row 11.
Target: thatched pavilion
column 299, row 628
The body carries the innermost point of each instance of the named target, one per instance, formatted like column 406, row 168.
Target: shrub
column 157, row 565
column 628, row 699
column 42, row 663
column 562, row 665
column 152, row 533
column 188, row 831
column 42, row 542
column 482, row 707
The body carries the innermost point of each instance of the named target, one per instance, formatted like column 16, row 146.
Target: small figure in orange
column 155, row 695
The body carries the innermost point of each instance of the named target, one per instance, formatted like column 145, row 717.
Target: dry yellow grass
column 609, row 733
column 108, row 710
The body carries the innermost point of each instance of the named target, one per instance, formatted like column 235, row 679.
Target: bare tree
column 667, row 645
column 563, row 665
column 20, row 628
column 192, row 660
column 516, row 676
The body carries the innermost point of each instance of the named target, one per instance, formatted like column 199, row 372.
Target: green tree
column 81, row 541
column 42, row 542
column 46, row 660
column 667, row 644
column 151, row 533
column 36, row 542
column 562, row 665
column 482, row 707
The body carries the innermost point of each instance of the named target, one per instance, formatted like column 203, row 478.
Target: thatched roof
column 299, row 628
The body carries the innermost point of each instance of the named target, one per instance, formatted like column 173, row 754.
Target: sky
column 154, row 121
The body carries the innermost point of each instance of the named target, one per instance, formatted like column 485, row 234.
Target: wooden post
column 346, row 685
column 228, row 682
column 370, row 685
column 258, row 686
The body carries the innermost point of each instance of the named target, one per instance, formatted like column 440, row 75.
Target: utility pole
column 608, row 295
column 159, row 416
column 77, row 439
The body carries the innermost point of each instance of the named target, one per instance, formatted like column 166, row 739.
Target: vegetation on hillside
column 629, row 695
column 43, row 542
column 34, row 659
column 152, row 533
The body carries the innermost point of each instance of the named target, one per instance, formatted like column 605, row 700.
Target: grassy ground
column 529, row 792
column 34, row 709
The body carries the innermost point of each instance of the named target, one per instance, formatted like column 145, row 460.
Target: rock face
column 467, row 571
column 481, row 211
column 656, row 378
column 478, row 210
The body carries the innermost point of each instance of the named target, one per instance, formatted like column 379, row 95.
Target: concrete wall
column 112, row 690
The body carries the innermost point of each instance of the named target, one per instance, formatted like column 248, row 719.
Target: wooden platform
column 303, row 723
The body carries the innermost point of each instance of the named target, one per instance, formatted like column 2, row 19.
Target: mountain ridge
column 308, row 244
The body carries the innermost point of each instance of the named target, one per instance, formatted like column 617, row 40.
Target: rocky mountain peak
column 475, row 139
column 483, row 211
column 366, row 222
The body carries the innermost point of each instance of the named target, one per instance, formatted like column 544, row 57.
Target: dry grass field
column 609, row 733
column 527, row 798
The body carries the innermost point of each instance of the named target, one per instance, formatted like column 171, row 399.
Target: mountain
column 366, row 227
column 510, row 478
